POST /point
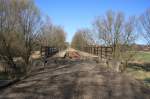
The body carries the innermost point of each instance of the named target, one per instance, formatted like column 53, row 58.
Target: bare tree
column 8, row 34
column 19, row 26
column 29, row 20
column 145, row 25
column 82, row 38
column 115, row 31
column 53, row 35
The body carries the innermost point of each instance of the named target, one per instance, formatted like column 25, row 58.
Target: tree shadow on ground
column 90, row 84
column 142, row 66
column 52, row 87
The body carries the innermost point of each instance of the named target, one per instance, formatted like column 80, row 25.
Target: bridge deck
column 75, row 79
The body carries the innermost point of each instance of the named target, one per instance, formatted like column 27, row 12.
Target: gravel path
column 68, row 79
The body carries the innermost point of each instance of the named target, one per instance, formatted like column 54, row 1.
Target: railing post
column 105, row 52
column 101, row 52
column 90, row 50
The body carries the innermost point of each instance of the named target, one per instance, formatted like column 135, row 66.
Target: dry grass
column 140, row 71
column 140, row 67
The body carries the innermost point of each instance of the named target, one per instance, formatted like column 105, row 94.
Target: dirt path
column 82, row 54
column 75, row 79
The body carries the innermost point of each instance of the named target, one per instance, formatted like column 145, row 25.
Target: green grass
column 147, row 81
column 140, row 67
column 139, row 74
column 3, row 76
column 142, row 56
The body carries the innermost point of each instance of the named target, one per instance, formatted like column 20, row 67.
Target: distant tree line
column 82, row 38
column 115, row 28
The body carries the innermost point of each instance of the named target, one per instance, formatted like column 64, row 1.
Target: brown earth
column 75, row 79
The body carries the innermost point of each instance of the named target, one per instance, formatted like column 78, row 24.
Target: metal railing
column 101, row 51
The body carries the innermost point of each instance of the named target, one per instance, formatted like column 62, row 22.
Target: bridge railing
column 47, row 51
column 101, row 51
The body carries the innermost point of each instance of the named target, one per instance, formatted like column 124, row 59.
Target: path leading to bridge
column 65, row 78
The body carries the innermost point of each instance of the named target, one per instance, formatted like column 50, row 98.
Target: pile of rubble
column 73, row 55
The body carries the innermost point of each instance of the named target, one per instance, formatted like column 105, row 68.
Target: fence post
column 90, row 50
column 106, row 52
column 94, row 50
column 101, row 52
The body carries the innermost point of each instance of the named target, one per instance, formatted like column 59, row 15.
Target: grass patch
column 139, row 74
column 140, row 67
column 147, row 81
column 142, row 56
column 4, row 76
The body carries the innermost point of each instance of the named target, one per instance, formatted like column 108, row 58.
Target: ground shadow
column 142, row 66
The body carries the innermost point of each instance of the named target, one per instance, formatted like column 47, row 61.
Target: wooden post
column 101, row 52
column 89, row 49
column 105, row 52
column 98, row 51
column 94, row 51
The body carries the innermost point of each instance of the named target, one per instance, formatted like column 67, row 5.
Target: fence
column 47, row 51
column 4, row 67
column 102, row 51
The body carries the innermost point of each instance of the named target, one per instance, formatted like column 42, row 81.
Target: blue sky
column 76, row 14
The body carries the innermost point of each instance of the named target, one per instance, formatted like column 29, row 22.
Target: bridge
column 73, row 74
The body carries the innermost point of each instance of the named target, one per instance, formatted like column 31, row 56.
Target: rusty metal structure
column 102, row 51
column 47, row 51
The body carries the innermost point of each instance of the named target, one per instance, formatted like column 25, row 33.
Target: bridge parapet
column 101, row 51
